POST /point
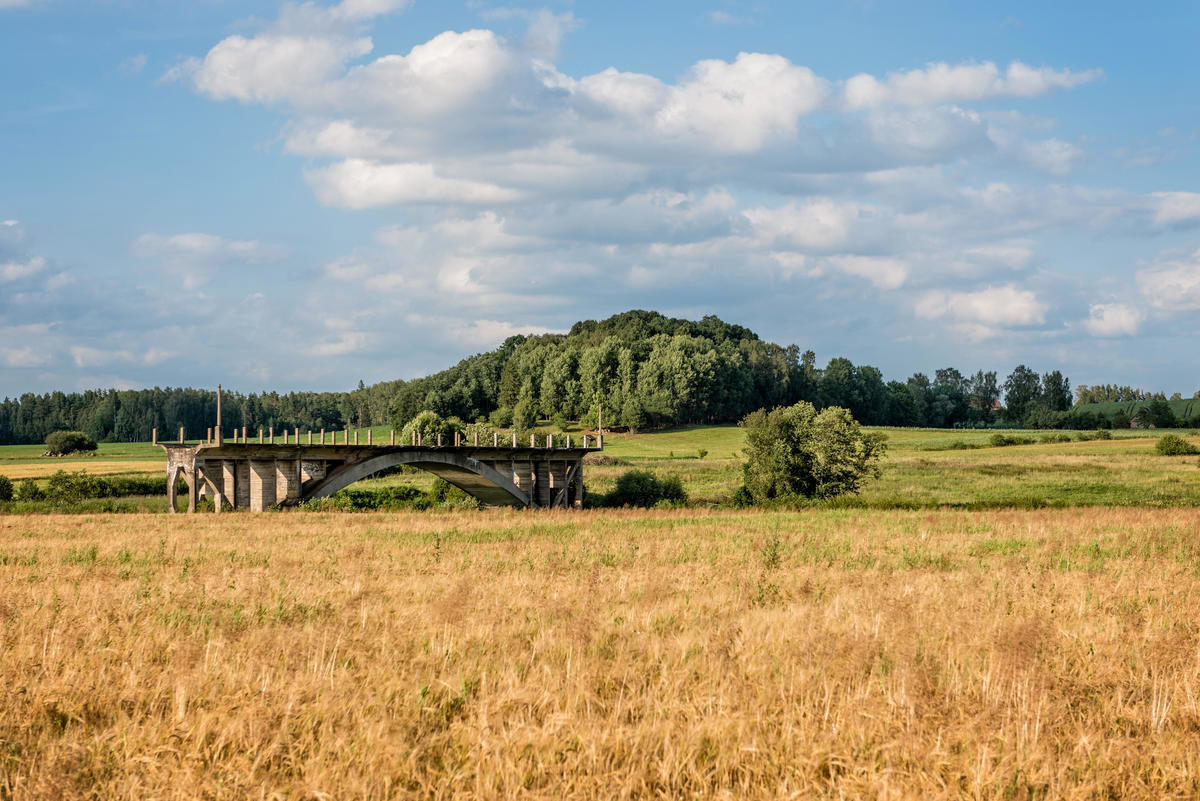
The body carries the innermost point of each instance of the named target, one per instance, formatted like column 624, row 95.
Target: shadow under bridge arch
column 474, row 477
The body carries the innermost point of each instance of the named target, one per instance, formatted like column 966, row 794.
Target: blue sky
column 303, row 195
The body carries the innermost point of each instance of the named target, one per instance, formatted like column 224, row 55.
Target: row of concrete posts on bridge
column 215, row 437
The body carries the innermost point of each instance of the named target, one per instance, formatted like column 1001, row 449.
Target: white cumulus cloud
column 1113, row 320
column 1172, row 283
column 15, row 270
column 939, row 83
column 986, row 312
column 1172, row 208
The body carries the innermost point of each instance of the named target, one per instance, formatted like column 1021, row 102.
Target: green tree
column 795, row 453
column 524, row 417
column 1056, row 392
column 1021, row 388
column 1157, row 414
column 6, row 488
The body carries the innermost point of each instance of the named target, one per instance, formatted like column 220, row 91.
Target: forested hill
column 642, row 368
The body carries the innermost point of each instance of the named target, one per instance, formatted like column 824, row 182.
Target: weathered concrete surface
column 257, row 476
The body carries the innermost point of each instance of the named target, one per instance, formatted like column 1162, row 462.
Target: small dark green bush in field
column 1050, row 439
column 643, row 489
column 6, row 489
column 1174, row 445
column 1004, row 440
column 28, row 490
column 64, row 487
column 61, row 443
column 1103, row 433
column 125, row 486
column 702, row 453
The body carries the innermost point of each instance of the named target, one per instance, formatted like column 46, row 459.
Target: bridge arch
column 474, row 477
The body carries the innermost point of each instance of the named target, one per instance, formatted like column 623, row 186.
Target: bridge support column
column 542, row 484
column 243, row 484
column 229, row 477
column 262, row 484
column 287, row 480
column 214, row 482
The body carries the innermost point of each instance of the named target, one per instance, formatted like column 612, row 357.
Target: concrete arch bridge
column 259, row 475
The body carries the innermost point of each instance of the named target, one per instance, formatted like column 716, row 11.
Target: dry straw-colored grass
column 835, row 654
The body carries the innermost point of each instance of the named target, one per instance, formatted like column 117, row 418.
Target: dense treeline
column 131, row 415
column 647, row 370
column 643, row 369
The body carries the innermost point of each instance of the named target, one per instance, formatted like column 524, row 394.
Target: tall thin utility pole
column 220, row 433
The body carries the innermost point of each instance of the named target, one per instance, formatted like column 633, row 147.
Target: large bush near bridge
column 60, row 443
column 795, row 453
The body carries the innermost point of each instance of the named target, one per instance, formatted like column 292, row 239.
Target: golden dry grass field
column 618, row 654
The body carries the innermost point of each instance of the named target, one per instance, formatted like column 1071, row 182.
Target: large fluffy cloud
column 986, row 312
column 1172, row 283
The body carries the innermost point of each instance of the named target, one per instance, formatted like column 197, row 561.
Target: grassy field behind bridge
column 924, row 468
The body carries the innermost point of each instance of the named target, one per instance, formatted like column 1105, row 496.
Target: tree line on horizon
column 643, row 369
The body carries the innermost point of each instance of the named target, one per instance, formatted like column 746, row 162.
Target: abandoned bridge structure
column 282, row 470
column 258, row 475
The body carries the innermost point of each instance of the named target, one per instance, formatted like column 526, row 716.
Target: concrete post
column 260, row 436
column 514, row 439
column 393, row 436
column 585, row 441
column 476, row 439
column 310, row 436
column 568, row 442
column 271, row 436
column 414, row 438
column 495, row 439
column 297, row 433
column 457, row 439
column 154, row 436
column 420, row 439
column 533, row 440
column 439, row 440
column 181, row 435
column 356, row 436
column 208, row 436
column 244, row 440
column 322, row 436
column 550, row 441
